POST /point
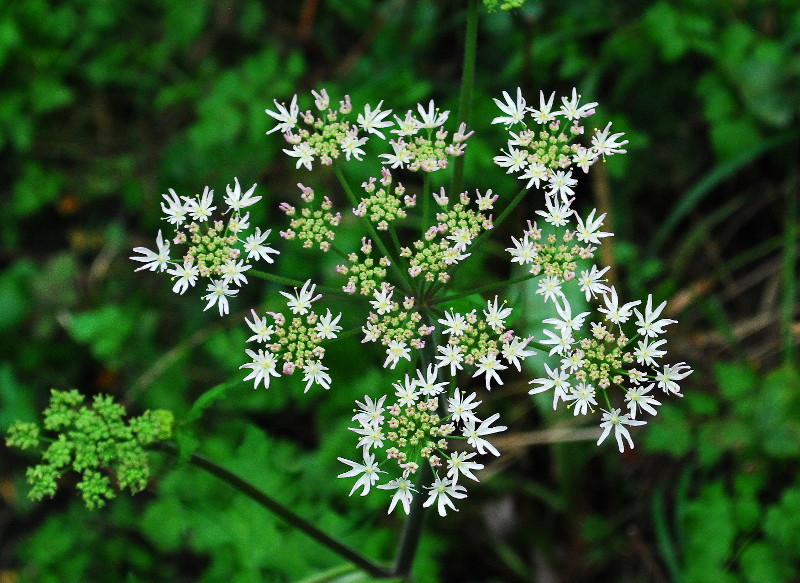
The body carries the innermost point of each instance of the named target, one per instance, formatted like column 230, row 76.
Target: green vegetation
column 106, row 105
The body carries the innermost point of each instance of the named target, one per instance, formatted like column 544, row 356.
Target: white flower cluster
column 595, row 357
column 545, row 152
column 294, row 343
column 329, row 134
column 409, row 252
column 598, row 356
column 411, row 432
column 480, row 341
column 557, row 255
column 213, row 247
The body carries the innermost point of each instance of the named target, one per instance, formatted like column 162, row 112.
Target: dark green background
column 104, row 105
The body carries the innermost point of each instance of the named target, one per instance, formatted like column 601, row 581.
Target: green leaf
column 736, row 380
column 747, row 508
column 187, row 442
column 207, row 399
column 661, row 22
column 14, row 296
column 106, row 330
column 36, row 188
column 670, row 433
column 760, row 562
column 710, row 531
column 782, row 523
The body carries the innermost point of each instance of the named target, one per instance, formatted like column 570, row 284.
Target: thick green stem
column 467, row 83
column 281, row 511
column 412, row 529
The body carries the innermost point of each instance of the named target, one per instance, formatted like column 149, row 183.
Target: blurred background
column 104, row 105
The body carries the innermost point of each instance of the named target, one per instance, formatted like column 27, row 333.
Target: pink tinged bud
column 460, row 136
column 288, row 235
column 386, row 176
column 366, row 246
column 288, row 368
column 350, row 288
column 307, row 193
column 308, row 117
column 369, row 186
column 342, row 269
column 414, row 271
column 345, row 106
column 326, row 203
column 287, row 208
column 325, row 246
column 441, row 198
column 417, row 343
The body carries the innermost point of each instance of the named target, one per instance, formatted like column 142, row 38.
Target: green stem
column 412, row 529
column 426, row 203
column 281, row 511
column 467, row 83
column 483, row 288
column 295, row 282
column 504, row 215
column 495, row 223
column 338, row 251
column 402, row 279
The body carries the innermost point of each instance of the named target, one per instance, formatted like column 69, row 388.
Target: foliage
column 105, row 105
column 87, row 440
column 736, row 506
